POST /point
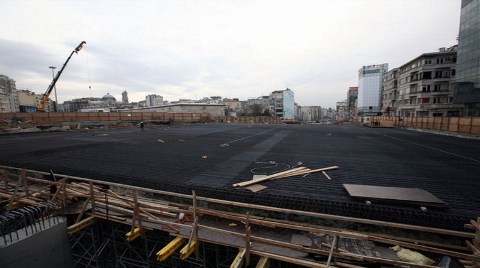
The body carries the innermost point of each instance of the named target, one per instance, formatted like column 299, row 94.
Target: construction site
column 239, row 195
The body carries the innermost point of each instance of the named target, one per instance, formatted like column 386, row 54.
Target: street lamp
column 55, row 88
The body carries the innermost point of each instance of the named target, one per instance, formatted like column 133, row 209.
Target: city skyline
column 232, row 49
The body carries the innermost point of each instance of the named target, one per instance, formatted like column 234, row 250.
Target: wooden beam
column 84, row 207
column 23, row 175
column 6, row 174
column 326, row 175
column 80, row 225
column 250, row 182
column 92, row 196
column 62, row 184
column 247, row 240
column 14, row 195
column 334, row 243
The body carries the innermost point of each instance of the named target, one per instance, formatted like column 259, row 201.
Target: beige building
column 233, row 105
column 29, row 101
column 390, row 92
column 425, row 85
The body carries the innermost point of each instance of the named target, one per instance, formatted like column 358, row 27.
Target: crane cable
column 88, row 73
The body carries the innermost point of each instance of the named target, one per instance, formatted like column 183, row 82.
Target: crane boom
column 41, row 107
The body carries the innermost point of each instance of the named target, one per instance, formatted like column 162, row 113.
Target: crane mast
column 41, row 107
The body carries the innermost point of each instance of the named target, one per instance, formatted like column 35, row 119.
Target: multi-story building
column 370, row 88
column 234, row 105
column 352, row 96
column 153, row 100
column 341, row 110
column 77, row 105
column 425, row 85
column 8, row 95
column 467, row 79
column 308, row 113
column 390, row 92
column 28, row 101
column 283, row 103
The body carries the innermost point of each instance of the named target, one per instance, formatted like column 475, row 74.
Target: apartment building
column 8, row 95
column 283, row 103
column 425, row 85
column 390, row 92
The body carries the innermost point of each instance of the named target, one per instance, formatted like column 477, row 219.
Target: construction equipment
column 46, row 95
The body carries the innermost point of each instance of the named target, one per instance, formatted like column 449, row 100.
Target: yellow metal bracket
column 185, row 253
column 130, row 236
column 170, row 248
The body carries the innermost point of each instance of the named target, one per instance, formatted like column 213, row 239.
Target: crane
column 41, row 107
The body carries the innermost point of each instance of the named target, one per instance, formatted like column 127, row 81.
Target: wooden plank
column 246, row 183
column 250, row 182
column 247, row 240
column 475, row 224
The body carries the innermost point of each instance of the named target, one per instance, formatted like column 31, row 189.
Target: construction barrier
column 48, row 119
column 466, row 125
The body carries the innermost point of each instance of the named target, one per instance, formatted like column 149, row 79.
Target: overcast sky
column 234, row 49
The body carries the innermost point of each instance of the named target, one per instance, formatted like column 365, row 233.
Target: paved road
column 210, row 158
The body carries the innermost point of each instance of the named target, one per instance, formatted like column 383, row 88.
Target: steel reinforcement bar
column 228, row 223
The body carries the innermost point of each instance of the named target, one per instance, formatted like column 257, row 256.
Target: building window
column 427, row 75
column 426, row 88
column 428, row 61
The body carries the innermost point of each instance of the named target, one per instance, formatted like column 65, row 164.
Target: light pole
column 55, row 88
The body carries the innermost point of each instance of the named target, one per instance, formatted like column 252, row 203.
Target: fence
column 52, row 118
column 467, row 125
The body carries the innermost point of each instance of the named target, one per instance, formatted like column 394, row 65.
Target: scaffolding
column 115, row 225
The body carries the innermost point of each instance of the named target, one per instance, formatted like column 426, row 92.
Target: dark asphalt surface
column 170, row 158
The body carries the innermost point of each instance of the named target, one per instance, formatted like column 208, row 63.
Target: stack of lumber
column 284, row 174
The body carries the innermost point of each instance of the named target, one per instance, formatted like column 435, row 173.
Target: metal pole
column 55, row 89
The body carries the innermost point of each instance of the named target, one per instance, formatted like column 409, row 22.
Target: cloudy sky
column 234, row 49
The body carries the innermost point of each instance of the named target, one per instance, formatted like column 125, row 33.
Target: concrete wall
column 47, row 248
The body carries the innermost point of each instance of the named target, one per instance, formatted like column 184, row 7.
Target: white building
column 370, row 87
column 283, row 102
column 8, row 95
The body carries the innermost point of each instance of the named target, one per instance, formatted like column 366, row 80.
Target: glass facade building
column 370, row 84
column 467, row 81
